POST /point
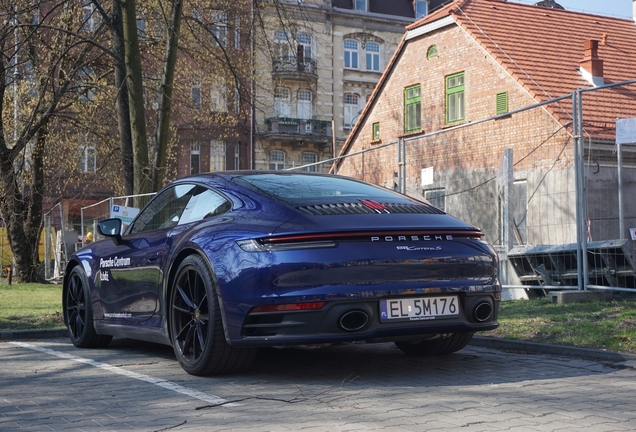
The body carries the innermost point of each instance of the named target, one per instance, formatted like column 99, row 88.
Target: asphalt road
column 48, row 384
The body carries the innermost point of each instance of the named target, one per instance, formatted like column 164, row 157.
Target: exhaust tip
column 353, row 320
column 483, row 311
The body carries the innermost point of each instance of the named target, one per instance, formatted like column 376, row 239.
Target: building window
column 309, row 158
column 237, row 100
column 351, row 102
column 281, row 102
column 86, row 85
column 237, row 156
column 432, row 52
column 436, row 197
column 276, row 160
column 281, row 45
column 237, row 32
column 88, row 155
column 376, row 131
column 455, row 98
column 413, row 108
column 219, row 27
column 217, row 155
column 501, row 103
column 304, row 110
column 90, row 16
column 421, row 8
column 351, row 54
column 196, row 93
column 361, row 5
column 195, row 157
column 218, row 95
column 373, row 56
column 304, row 44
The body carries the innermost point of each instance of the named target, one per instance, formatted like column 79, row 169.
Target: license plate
column 418, row 308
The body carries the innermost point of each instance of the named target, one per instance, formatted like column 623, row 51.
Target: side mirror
column 111, row 228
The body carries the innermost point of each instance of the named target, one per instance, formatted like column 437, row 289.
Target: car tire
column 440, row 346
column 78, row 312
column 196, row 326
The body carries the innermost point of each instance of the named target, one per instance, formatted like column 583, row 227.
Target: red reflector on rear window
column 289, row 307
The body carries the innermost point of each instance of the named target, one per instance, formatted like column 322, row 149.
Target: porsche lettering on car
column 217, row 265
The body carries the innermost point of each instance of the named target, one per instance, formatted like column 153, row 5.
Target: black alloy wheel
column 78, row 312
column 196, row 327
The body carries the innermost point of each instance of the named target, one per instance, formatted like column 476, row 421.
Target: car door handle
column 153, row 257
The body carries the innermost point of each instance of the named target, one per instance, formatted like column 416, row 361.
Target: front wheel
column 78, row 312
column 196, row 327
column 445, row 344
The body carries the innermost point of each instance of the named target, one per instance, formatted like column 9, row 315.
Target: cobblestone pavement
column 50, row 385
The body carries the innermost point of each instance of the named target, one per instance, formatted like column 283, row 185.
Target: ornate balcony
column 291, row 68
column 298, row 130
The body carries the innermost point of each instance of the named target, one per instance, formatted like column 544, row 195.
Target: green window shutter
column 455, row 103
column 501, row 103
column 413, row 108
column 376, row 131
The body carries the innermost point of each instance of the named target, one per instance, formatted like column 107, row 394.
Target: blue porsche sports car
column 217, row 265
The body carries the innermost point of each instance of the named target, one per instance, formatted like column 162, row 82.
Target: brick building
column 468, row 82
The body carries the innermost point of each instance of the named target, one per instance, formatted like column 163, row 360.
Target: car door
column 130, row 274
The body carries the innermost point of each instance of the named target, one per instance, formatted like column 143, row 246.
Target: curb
column 558, row 350
column 34, row 334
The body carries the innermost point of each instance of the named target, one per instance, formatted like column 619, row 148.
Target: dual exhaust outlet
column 355, row 320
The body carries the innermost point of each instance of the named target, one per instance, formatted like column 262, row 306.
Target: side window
column 165, row 210
column 203, row 203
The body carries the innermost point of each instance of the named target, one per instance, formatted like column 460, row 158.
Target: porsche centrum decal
column 109, row 263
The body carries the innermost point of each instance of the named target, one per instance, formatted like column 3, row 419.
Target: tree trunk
column 123, row 111
column 167, row 81
column 136, row 98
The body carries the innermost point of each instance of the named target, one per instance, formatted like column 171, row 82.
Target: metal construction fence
column 547, row 184
column 124, row 207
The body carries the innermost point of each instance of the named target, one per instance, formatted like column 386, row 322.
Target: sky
column 616, row 8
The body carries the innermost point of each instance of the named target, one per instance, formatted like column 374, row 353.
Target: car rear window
column 302, row 187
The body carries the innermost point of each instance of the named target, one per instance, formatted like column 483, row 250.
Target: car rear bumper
column 359, row 320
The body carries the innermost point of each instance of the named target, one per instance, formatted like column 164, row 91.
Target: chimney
column 592, row 65
column 634, row 10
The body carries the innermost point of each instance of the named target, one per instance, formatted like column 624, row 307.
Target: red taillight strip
column 289, row 307
column 356, row 235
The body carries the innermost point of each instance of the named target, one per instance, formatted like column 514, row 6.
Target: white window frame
column 219, row 26
column 372, row 58
column 237, row 156
column 351, row 54
column 88, row 155
column 217, row 155
column 218, row 95
column 277, row 160
column 351, row 109
column 421, row 8
column 281, row 45
column 282, row 102
column 304, row 108
column 305, row 40
column 90, row 16
column 237, row 32
column 309, row 158
column 196, row 93
column 195, row 155
column 361, row 5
